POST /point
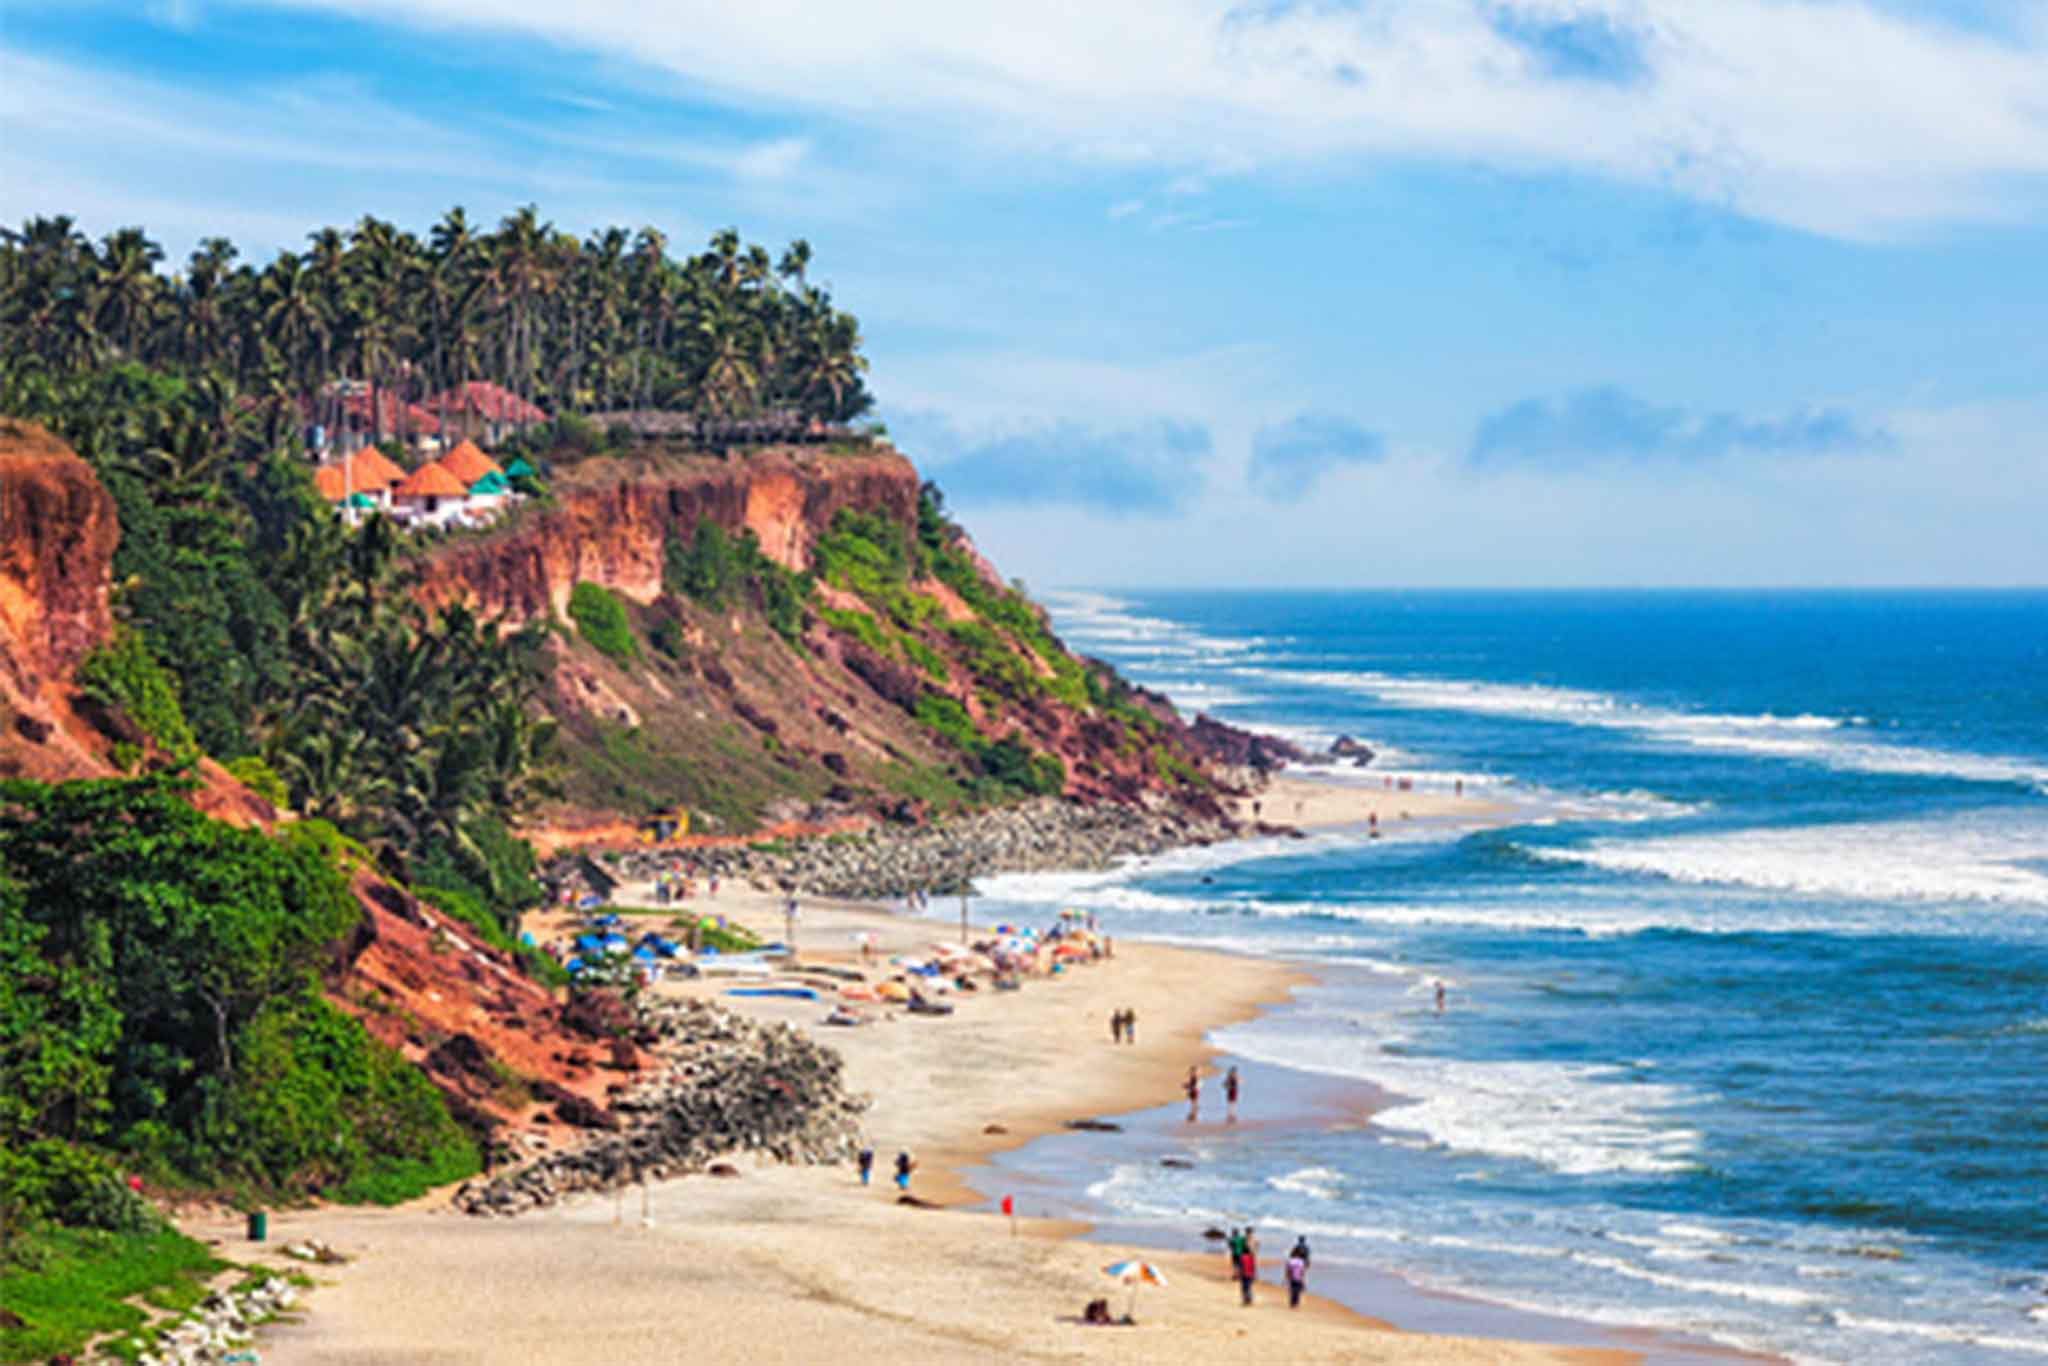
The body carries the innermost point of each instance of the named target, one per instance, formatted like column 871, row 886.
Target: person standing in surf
column 1193, row 1088
column 1230, row 1096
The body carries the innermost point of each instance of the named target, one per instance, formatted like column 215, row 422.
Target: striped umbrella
column 1134, row 1274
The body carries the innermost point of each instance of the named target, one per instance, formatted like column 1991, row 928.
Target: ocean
column 1747, row 1025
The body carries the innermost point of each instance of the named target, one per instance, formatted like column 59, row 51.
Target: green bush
column 261, row 779
column 926, row 658
column 601, row 618
column 860, row 625
column 124, row 675
column 158, row 996
column 705, row 568
column 320, row 1105
column 61, row 1183
column 1012, row 763
column 946, row 716
column 712, row 566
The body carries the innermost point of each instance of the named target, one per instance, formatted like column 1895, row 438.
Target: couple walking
column 1123, row 1026
column 1244, row 1264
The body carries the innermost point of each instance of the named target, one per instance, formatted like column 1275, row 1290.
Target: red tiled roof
column 418, row 421
column 481, row 398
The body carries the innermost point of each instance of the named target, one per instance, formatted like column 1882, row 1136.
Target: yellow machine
column 665, row 826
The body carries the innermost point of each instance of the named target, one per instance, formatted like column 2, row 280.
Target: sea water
column 1747, row 1008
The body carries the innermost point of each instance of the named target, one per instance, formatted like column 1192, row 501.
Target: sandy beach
column 804, row 1264
column 1309, row 801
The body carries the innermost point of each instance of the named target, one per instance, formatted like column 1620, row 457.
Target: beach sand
column 788, row 1264
column 1311, row 800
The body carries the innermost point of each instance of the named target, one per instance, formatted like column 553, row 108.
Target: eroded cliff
column 911, row 679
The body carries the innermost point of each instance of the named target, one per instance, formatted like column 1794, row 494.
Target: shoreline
column 820, row 1256
column 1005, row 1072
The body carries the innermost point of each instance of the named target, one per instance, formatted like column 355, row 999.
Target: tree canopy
column 608, row 321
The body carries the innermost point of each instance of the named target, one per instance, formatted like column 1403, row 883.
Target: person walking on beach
column 1193, row 1087
column 1130, row 1026
column 1297, row 1275
column 1230, row 1096
column 867, row 1163
column 904, row 1166
column 1116, row 1026
column 1248, row 1265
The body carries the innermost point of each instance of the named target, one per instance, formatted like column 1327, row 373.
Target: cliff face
column 421, row 982
column 897, row 696
column 612, row 517
column 57, row 538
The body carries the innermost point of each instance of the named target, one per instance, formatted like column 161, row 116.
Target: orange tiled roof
column 431, row 481
column 332, row 482
column 468, row 463
column 374, row 470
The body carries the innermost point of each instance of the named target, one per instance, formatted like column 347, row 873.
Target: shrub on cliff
column 712, row 568
column 601, row 618
column 158, row 996
column 124, row 676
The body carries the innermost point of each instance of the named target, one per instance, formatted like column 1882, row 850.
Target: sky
column 1465, row 293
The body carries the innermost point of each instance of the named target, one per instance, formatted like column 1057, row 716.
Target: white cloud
column 1834, row 115
column 267, row 162
column 1957, row 502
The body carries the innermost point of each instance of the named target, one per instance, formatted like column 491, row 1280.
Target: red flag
column 1009, row 1206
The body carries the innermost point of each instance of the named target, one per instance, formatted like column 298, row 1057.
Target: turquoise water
column 1748, row 1025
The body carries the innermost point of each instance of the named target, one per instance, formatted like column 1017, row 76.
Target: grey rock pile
column 733, row 1086
column 1038, row 836
column 222, row 1327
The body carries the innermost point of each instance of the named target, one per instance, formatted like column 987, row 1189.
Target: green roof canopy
column 361, row 500
column 493, row 482
column 519, row 467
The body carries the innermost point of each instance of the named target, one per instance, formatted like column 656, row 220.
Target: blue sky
column 1447, row 292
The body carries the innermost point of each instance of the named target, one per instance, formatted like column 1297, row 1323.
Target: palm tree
column 125, row 287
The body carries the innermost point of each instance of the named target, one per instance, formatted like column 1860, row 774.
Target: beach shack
column 468, row 463
column 359, row 483
column 430, row 496
column 488, row 494
column 483, row 410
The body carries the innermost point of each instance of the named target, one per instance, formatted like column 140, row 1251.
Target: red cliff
column 57, row 538
column 610, row 519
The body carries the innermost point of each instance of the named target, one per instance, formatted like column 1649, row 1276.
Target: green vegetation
column 1007, row 766
column 123, row 675
column 860, row 625
column 70, row 1285
column 260, row 778
column 608, row 322
column 159, row 997
column 719, row 770
column 601, row 618
column 713, row 568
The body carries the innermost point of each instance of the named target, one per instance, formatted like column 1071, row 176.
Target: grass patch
column 601, row 619
column 69, row 1286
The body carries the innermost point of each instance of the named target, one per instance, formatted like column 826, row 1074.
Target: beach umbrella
column 1134, row 1273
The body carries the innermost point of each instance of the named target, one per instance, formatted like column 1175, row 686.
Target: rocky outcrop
column 1233, row 747
column 610, row 519
column 734, row 1086
column 891, row 862
column 57, row 538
